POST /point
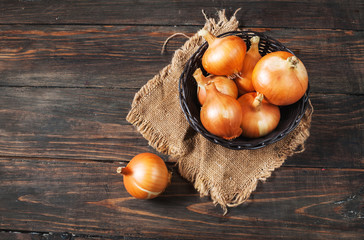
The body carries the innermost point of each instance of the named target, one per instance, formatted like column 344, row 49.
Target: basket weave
column 290, row 115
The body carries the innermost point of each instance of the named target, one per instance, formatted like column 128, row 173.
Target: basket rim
column 238, row 144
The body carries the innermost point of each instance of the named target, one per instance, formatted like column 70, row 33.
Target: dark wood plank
column 332, row 131
column 336, row 14
column 81, row 123
column 68, row 122
column 81, row 197
column 26, row 235
column 14, row 235
column 81, row 56
column 128, row 56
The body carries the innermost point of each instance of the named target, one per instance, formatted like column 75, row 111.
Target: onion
column 221, row 114
column 222, row 84
column 145, row 176
column 259, row 116
column 281, row 77
column 224, row 56
column 244, row 80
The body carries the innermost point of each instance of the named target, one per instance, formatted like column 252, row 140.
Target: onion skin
column 222, row 84
column 146, row 176
column 221, row 114
column 244, row 80
column 259, row 116
column 224, row 56
column 281, row 77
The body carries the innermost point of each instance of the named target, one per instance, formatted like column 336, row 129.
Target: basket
column 290, row 115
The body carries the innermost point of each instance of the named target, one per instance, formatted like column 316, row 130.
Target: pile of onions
column 222, row 84
column 263, row 84
column 281, row 77
column 224, row 56
column 259, row 116
column 221, row 114
column 146, row 176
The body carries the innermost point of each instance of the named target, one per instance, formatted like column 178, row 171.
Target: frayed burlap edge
column 294, row 143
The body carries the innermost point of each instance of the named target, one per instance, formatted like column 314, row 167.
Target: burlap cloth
column 227, row 176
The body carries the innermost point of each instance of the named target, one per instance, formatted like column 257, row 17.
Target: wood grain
column 15, row 235
column 334, row 14
column 68, row 73
column 128, row 56
column 89, row 198
column 90, row 124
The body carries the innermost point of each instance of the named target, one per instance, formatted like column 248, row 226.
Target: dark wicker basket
column 290, row 115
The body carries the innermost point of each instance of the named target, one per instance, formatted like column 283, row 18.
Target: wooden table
column 69, row 71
